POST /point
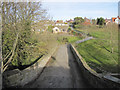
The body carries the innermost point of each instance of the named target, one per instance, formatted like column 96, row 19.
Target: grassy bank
column 69, row 39
column 44, row 43
column 101, row 53
column 47, row 41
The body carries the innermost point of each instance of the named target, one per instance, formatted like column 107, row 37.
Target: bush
column 69, row 29
column 50, row 28
column 100, row 21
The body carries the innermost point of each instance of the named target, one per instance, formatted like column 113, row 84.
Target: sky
column 80, row 0
column 65, row 10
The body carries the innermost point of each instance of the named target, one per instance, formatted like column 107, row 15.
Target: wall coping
column 25, row 74
column 84, row 63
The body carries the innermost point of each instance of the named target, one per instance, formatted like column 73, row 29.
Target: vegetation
column 93, row 21
column 78, row 22
column 69, row 29
column 17, row 41
column 100, row 21
column 21, row 46
column 68, row 39
column 101, row 53
column 50, row 27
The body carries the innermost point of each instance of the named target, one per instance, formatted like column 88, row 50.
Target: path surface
column 88, row 38
column 61, row 72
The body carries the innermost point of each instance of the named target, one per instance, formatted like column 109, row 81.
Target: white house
column 56, row 30
column 117, row 21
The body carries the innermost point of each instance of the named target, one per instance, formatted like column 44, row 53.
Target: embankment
column 97, row 80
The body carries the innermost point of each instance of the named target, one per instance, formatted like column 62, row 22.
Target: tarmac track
column 62, row 71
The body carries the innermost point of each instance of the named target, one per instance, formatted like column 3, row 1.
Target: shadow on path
column 78, row 78
column 62, row 71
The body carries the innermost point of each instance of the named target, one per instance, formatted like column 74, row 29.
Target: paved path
column 88, row 38
column 61, row 72
column 80, row 41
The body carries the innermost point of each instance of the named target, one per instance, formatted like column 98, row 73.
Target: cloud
column 80, row 0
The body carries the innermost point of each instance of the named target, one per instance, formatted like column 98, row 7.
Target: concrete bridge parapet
column 97, row 80
column 19, row 78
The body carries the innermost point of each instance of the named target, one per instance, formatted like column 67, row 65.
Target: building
column 60, row 29
column 42, row 25
column 115, row 20
column 61, row 23
column 87, row 21
column 70, row 21
column 56, row 30
column 108, row 21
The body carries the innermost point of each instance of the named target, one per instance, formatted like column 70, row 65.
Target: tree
column 17, row 41
column 50, row 27
column 93, row 21
column 69, row 29
column 100, row 21
column 78, row 21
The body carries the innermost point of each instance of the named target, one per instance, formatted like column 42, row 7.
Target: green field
column 101, row 53
column 69, row 39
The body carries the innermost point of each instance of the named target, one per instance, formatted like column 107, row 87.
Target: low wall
column 17, row 78
column 97, row 80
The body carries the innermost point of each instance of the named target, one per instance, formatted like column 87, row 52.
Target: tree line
column 78, row 22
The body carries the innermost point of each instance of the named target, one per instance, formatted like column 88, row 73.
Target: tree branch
column 13, row 51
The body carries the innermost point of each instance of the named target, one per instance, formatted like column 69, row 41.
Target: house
column 115, row 20
column 70, row 21
column 87, row 21
column 60, row 23
column 60, row 29
column 42, row 25
column 56, row 30
column 107, row 21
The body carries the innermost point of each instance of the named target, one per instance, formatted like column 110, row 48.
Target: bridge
column 64, row 68
column 60, row 72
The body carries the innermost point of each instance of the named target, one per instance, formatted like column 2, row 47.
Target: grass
column 94, row 53
column 69, row 39
column 74, row 39
column 101, row 53
column 45, row 43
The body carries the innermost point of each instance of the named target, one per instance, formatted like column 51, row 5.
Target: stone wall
column 17, row 78
column 97, row 80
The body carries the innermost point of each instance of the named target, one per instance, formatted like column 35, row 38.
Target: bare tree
column 18, row 18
